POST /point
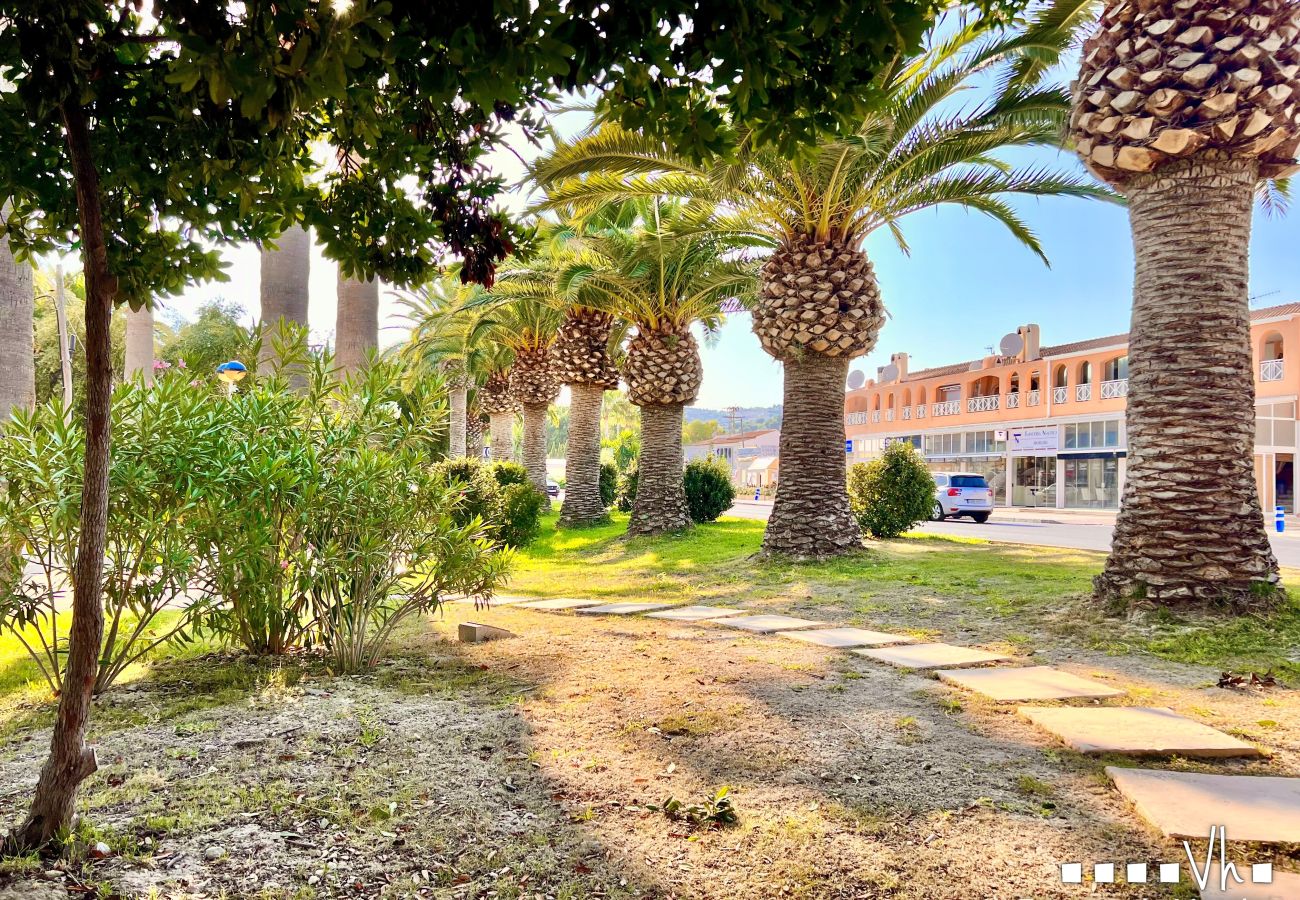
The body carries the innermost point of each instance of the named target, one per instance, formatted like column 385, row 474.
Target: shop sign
column 1032, row 440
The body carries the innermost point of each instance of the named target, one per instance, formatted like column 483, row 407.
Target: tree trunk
column 65, row 341
column 535, row 444
column 1190, row 528
column 286, row 272
column 139, row 344
column 660, row 504
column 811, row 517
column 457, row 392
column 502, row 428
column 582, row 504
column 356, row 330
column 17, row 351
column 70, row 761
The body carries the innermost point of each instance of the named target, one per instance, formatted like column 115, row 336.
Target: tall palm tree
column 495, row 399
column 1188, row 109
column 286, row 269
column 139, row 344
column 526, row 323
column 820, row 305
column 17, row 358
column 356, row 329
column 663, row 273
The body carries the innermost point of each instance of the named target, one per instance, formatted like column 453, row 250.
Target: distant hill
column 748, row 418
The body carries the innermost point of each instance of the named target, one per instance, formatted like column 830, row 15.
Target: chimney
column 900, row 360
column 1029, row 334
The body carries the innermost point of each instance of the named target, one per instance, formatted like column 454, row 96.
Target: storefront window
column 1092, row 435
column 1091, row 483
column 1035, row 481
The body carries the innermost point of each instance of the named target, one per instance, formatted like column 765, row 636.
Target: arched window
column 907, row 396
column 889, row 403
column 1271, row 348
column 1116, row 369
column 1034, row 378
column 920, row 396
column 1060, row 379
column 875, row 402
column 1013, row 384
column 1085, row 372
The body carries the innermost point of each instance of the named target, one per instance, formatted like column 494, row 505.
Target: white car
column 961, row 494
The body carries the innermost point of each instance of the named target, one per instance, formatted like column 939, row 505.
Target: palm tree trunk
column 139, row 344
column 535, row 444
column 582, row 504
column 284, row 290
column 356, row 330
column 502, row 428
column 1190, row 528
column 70, row 761
column 65, row 341
column 17, row 356
column 811, row 517
column 457, row 396
column 660, row 504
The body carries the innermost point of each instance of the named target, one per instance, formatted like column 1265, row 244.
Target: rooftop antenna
column 1254, row 297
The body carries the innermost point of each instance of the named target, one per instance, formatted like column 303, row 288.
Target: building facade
column 751, row 455
column 1045, row 424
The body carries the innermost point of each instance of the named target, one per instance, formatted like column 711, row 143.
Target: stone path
column 559, row 603
column 1181, row 804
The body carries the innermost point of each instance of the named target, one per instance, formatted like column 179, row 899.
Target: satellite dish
column 889, row 373
column 856, row 379
column 1012, row 344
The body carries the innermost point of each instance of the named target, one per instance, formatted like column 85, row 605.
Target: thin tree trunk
column 286, row 272
column 502, row 428
column 535, row 444
column 582, row 504
column 1190, row 529
column 356, row 331
column 70, row 761
column 17, row 352
column 139, row 344
column 811, row 517
column 457, row 396
column 65, row 341
column 660, row 504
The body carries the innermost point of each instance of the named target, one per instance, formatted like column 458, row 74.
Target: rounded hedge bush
column 891, row 494
column 508, row 473
column 709, row 491
column 520, row 518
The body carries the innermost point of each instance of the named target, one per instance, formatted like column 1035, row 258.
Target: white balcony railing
column 1013, row 400
column 889, row 415
column 856, row 418
column 1031, row 398
column 1060, row 395
column 1271, row 370
column 920, row 410
column 1083, row 392
column 1113, row 390
column 982, row 404
column 875, row 417
column 947, row 408
column 907, row 413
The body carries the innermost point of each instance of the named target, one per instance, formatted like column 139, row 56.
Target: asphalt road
column 1076, row 536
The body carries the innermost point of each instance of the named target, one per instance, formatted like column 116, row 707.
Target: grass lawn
column 954, row 587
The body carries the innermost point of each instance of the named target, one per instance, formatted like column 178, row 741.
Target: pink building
column 1045, row 424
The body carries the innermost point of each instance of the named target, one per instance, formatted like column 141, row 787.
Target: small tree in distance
column 891, row 494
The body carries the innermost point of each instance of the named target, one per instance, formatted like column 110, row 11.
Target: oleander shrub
column 520, row 515
column 709, row 491
column 507, row 473
column 479, row 490
column 891, row 494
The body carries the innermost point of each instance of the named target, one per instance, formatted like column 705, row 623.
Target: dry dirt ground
column 529, row 767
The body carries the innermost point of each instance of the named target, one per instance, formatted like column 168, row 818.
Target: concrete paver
column 1027, row 683
column 1260, row 808
column 848, row 637
column 1136, row 731
column 932, row 656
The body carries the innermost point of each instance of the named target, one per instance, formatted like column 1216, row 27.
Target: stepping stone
column 621, row 609
column 932, row 656
column 1278, row 886
column 1028, row 683
column 475, row 633
column 558, row 603
column 499, row 600
column 848, row 637
column 1260, row 808
column 695, row 613
column 767, row 624
column 1136, row 731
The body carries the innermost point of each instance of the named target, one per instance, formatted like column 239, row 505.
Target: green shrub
column 891, row 494
column 480, row 492
column 520, row 515
column 508, row 473
column 627, row 490
column 709, row 491
column 608, row 484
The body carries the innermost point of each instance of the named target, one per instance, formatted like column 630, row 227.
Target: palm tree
column 1188, row 109
column 139, row 344
column 662, row 274
column 286, row 269
column 495, row 400
column 820, row 306
column 526, row 324
column 17, row 359
column 356, row 329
